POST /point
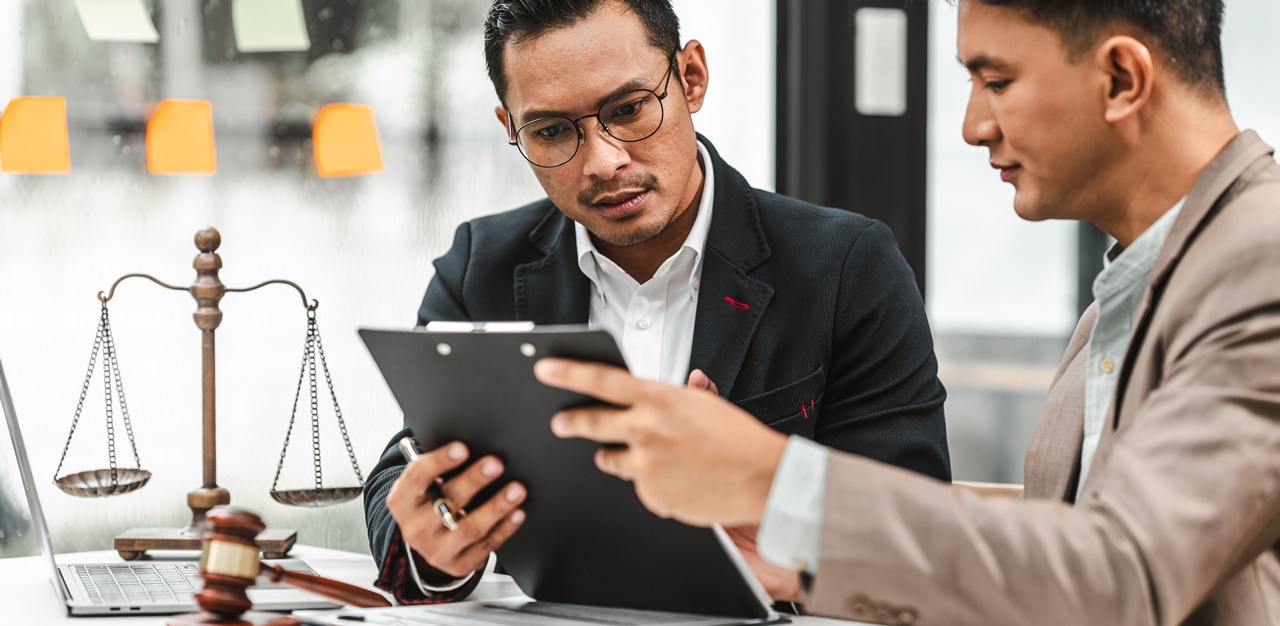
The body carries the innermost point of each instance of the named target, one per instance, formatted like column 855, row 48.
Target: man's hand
column 781, row 583
column 480, row 531
column 692, row 455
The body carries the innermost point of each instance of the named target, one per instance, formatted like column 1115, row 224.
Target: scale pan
column 97, row 483
column 316, row 498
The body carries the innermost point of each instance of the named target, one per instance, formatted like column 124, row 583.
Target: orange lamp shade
column 180, row 138
column 346, row 142
column 33, row 136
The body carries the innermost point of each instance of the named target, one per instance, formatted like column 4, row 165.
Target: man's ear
column 692, row 62
column 1130, row 71
column 501, row 112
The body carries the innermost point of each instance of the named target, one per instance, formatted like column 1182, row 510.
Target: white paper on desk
column 515, row 612
column 117, row 20
column 270, row 26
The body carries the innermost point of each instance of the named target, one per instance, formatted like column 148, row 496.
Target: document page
column 513, row 612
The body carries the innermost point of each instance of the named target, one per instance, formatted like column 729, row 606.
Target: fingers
column 602, row 382
column 475, row 534
column 407, row 493
column 616, row 462
column 464, row 550
column 501, row 517
column 464, row 487
column 699, row 380
column 598, row 424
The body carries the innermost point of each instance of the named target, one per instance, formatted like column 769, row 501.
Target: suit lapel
column 553, row 290
column 1202, row 205
column 1053, row 452
column 730, row 301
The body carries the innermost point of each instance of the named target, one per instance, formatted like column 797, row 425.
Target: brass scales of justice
column 208, row 291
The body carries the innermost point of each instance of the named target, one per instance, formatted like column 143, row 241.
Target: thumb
column 699, row 380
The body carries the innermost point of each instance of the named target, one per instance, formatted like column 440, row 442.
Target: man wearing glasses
column 807, row 318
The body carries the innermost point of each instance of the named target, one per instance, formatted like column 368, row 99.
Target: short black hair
column 519, row 20
column 1187, row 32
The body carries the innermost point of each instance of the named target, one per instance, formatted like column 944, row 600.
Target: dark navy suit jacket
column 829, row 338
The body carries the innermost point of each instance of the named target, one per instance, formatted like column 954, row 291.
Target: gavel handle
column 340, row 592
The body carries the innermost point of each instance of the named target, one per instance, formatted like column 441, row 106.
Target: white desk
column 27, row 597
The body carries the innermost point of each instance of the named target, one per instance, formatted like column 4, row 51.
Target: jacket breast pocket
column 791, row 409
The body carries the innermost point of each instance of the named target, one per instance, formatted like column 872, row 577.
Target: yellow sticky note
column 180, row 138
column 346, row 141
column 33, row 137
column 117, row 20
column 270, row 26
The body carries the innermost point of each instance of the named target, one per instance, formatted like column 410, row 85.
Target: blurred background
column 789, row 106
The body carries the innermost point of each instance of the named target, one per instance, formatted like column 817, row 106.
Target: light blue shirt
column 1118, row 290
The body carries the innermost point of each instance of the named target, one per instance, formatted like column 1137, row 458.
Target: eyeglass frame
column 582, row 134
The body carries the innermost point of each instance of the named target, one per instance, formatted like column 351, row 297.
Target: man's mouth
column 1007, row 172
column 621, row 204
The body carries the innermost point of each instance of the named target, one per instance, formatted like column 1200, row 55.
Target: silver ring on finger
column 444, row 508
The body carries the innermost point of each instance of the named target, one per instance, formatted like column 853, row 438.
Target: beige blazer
column 1179, row 519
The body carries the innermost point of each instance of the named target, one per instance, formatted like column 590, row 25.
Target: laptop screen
column 22, row 528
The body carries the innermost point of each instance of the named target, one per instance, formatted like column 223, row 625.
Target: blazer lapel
column 553, row 290
column 1053, row 452
column 1202, row 205
column 730, row 302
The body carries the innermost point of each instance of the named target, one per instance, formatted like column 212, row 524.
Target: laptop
column 152, row 585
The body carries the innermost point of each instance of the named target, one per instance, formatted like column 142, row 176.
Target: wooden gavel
column 229, row 565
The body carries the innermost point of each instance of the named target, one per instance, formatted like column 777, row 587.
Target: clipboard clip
column 479, row 327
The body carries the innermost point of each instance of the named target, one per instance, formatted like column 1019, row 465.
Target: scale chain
column 124, row 405
column 289, row 432
column 315, row 400
column 313, row 351
column 106, row 386
column 351, row 453
column 84, row 391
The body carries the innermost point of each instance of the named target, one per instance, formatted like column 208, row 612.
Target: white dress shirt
column 653, row 322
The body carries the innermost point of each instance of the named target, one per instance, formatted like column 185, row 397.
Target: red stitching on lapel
column 736, row 304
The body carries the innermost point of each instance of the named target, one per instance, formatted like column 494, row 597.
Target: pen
column 370, row 619
column 439, row 502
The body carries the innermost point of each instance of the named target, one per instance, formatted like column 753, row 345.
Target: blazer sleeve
column 443, row 301
column 883, row 399
column 1186, row 495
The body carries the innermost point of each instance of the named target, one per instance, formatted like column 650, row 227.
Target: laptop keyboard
column 139, row 583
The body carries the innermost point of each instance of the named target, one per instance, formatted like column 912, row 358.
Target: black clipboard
column 587, row 539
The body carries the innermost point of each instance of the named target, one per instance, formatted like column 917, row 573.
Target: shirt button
column 643, row 323
column 1108, row 366
column 695, row 283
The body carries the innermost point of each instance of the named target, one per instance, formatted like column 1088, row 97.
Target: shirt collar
column 1123, row 265
column 589, row 258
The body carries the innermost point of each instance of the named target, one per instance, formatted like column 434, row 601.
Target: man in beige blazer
column 1153, row 477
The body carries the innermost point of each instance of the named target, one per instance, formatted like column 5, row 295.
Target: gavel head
column 229, row 563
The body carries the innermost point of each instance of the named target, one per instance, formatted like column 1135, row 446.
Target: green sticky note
column 270, row 26
column 117, row 20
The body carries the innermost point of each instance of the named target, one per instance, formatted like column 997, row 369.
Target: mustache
column 647, row 183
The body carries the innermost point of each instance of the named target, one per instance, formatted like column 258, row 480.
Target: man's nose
column 603, row 156
column 980, row 127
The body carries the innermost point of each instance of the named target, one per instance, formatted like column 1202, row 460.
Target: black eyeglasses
column 630, row 117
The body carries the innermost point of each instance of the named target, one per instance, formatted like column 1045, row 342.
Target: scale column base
column 274, row 543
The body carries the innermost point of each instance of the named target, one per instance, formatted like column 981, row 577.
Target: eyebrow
column 982, row 62
column 641, row 82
